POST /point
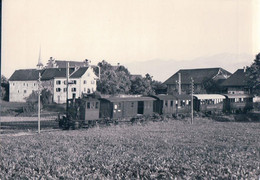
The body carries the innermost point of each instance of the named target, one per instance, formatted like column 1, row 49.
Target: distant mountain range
column 161, row 70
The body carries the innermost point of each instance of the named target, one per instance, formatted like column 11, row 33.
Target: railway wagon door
column 140, row 107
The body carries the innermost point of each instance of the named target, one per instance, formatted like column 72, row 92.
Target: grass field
column 157, row 150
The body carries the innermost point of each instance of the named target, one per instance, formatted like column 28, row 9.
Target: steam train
column 91, row 109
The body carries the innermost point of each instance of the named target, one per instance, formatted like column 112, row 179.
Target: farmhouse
column 205, row 80
column 237, row 83
column 24, row 82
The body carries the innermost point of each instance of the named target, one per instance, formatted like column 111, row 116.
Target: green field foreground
column 157, row 150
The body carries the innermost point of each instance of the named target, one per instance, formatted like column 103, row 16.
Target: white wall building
column 24, row 82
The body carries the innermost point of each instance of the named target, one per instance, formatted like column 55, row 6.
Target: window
column 171, row 103
column 115, row 107
column 24, row 91
column 119, row 105
column 33, row 84
column 74, row 81
column 132, row 104
column 73, row 89
column 58, row 82
column 64, row 89
column 13, row 84
column 88, row 105
column 166, row 103
column 58, row 89
column 24, row 84
column 88, row 74
column 92, row 82
column 18, row 91
column 27, row 84
column 96, row 105
column 64, row 82
column 88, row 90
column 84, row 89
column 85, row 82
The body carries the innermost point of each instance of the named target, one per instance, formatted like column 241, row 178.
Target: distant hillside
column 163, row 69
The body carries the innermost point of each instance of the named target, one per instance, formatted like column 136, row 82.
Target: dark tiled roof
column 54, row 72
column 198, row 75
column 79, row 72
column 25, row 75
column 63, row 64
column 61, row 72
column 239, row 78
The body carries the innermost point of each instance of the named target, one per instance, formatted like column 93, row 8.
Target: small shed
column 165, row 104
column 208, row 102
column 125, row 106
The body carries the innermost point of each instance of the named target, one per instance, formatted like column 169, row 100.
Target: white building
column 24, row 82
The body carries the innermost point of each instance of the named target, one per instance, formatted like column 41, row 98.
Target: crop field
column 157, row 150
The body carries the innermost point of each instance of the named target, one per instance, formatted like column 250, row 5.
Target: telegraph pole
column 67, row 86
column 192, row 91
column 39, row 66
column 39, row 103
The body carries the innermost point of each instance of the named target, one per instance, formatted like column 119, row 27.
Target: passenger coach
column 208, row 102
column 238, row 103
column 125, row 106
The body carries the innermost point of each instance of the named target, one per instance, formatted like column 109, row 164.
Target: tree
column 141, row 85
column 4, row 88
column 159, row 87
column 46, row 96
column 32, row 102
column 114, row 79
column 253, row 74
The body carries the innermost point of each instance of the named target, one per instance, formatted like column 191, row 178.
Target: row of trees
column 118, row 80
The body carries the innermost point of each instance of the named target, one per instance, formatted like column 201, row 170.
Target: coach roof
column 123, row 99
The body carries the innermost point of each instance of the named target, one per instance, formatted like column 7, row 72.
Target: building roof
column 79, row 72
column 46, row 74
column 198, row 75
column 209, row 96
column 54, row 72
column 239, row 78
column 63, row 64
column 25, row 75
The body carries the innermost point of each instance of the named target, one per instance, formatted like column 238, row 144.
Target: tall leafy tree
column 4, row 88
column 253, row 73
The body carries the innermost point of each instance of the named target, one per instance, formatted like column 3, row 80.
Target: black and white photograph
column 130, row 89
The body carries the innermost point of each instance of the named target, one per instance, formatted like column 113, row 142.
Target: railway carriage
column 165, row 104
column 208, row 102
column 125, row 106
column 238, row 103
column 184, row 103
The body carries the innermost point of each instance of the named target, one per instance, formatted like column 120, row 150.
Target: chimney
column 87, row 62
column 244, row 69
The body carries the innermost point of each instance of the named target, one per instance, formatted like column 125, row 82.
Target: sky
column 125, row 32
